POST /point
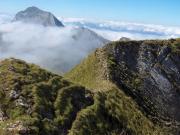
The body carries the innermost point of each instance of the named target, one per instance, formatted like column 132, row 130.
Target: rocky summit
column 35, row 15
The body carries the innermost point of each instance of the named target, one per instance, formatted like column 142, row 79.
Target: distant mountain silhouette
column 37, row 16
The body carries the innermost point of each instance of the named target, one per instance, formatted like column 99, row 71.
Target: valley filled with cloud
column 51, row 47
column 59, row 49
column 113, row 30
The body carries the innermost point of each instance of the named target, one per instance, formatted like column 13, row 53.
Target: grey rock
column 21, row 102
column 124, row 39
column 157, row 68
column 36, row 16
column 162, row 82
column 13, row 94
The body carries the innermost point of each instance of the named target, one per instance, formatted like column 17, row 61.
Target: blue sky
column 165, row 12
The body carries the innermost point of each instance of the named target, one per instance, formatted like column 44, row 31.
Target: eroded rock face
column 149, row 71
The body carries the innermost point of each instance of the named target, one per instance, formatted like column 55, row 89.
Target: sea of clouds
column 60, row 49
column 113, row 30
column 54, row 48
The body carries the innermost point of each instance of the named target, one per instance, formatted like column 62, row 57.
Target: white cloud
column 4, row 18
column 114, row 35
column 59, row 49
column 113, row 30
column 54, row 48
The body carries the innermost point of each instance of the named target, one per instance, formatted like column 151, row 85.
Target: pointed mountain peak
column 37, row 16
column 32, row 8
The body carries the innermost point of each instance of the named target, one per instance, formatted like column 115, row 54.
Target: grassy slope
column 113, row 112
column 47, row 103
column 91, row 73
column 57, row 105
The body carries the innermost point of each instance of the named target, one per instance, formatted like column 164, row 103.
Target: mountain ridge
column 130, row 66
column 35, row 101
column 126, row 87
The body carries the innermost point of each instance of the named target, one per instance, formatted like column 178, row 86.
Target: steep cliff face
column 147, row 71
column 150, row 72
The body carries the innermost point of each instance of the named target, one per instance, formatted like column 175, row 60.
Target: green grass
column 91, row 72
column 176, row 46
column 113, row 113
column 52, row 102
column 56, row 105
